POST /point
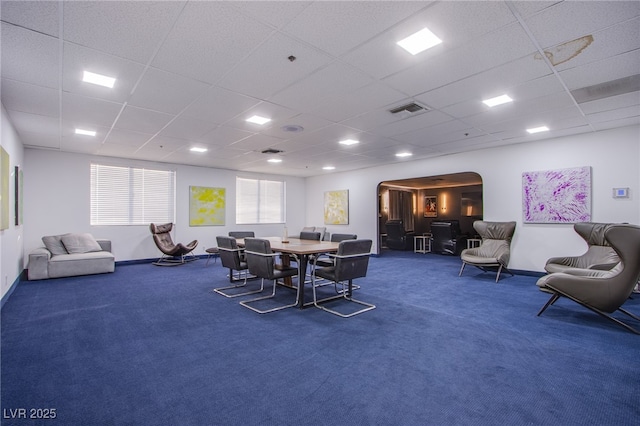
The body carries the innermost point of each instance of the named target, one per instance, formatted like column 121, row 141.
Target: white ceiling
column 189, row 74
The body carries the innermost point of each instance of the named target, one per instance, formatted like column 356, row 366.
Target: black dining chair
column 351, row 262
column 231, row 258
column 262, row 264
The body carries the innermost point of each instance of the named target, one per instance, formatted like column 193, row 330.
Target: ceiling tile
column 268, row 70
column 142, row 120
column 208, row 40
column 165, row 92
column 609, row 69
column 188, row 128
column 85, row 111
column 140, row 26
column 25, row 97
column 569, row 20
column 218, row 105
column 127, row 138
column 41, row 16
column 30, row 57
column 325, row 85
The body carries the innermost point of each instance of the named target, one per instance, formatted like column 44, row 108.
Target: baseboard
column 21, row 277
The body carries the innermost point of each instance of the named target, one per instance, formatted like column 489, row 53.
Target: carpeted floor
column 154, row 346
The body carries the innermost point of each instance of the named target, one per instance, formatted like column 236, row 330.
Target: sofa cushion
column 54, row 244
column 80, row 243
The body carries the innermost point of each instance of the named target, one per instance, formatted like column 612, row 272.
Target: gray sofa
column 69, row 255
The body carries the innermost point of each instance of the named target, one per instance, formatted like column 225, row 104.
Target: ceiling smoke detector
column 411, row 108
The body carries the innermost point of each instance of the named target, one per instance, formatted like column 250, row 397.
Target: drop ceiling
column 190, row 73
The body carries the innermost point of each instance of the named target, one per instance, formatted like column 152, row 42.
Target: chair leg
column 346, row 294
column 220, row 290
column 245, row 303
column 498, row 274
column 462, row 268
column 551, row 301
column 597, row 311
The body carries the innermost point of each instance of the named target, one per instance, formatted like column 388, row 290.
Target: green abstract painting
column 206, row 206
column 336, row 207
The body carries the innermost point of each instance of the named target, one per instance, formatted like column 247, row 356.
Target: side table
column 422, row 244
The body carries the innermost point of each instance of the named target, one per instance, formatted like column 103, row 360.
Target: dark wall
column 449, row 205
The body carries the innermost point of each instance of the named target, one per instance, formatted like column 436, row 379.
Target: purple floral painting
column 557, row 196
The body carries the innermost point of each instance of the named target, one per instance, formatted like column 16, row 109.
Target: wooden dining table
column 303, row 249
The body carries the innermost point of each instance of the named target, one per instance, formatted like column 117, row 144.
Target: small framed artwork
column 430, row 206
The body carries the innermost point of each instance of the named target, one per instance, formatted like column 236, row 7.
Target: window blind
column 259, row 201
column 131, row 196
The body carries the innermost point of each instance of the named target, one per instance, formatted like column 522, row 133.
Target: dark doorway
column 417, row 202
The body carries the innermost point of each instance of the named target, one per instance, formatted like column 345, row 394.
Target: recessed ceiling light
column 198, row 149
column 99, row 79
column 256, row 119
column 275, row 160
column 498, row 100
column 349, row 142
column 328, row 168
column 85, row 132
column 538, row 129
column 404, row 154
column 422, row 40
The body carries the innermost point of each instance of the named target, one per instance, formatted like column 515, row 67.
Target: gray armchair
column 232, row 257
column 599, row 255
column 495, row 250
column 602, row 292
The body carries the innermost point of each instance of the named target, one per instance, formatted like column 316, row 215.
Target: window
column 259, row 201
column 130, row 196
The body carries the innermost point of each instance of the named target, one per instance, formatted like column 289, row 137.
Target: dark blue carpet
column 153, row 346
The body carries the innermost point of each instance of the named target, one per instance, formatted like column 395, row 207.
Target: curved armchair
column 447, row 238
column 172, row 254
column 602, row 292
column 495, row 250
column 599, row 255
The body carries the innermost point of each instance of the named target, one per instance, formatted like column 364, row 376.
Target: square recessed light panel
column 420, row 41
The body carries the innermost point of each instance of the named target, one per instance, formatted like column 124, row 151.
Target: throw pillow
column 80, row 243
column 53, row 243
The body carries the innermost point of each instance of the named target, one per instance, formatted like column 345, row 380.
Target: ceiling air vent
column 412, row 108
column 272, row 151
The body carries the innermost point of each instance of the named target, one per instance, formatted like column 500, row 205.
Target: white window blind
column 131, row 196
column 259, row 201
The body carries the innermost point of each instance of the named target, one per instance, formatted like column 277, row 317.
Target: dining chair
column 262, row 264
column 230, row 257
column 351, row 262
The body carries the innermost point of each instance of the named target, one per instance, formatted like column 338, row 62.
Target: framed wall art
column 430, row 206
column 336, row 207
column 206, row 206
column 557, row 196
column 5, row 175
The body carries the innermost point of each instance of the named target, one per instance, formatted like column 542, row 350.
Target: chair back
column 356, row 264
column 162, row 236
column 229, row 252
column 336, row 238
column 496, row 240
column 242, row 234
column 315, row 236
column 260, row 266
column 625, row 240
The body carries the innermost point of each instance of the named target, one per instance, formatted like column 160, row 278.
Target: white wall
column 57, row 192
column 614, row 157
column 11, row 239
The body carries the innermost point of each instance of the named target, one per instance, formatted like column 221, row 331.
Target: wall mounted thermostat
column 620, row 192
